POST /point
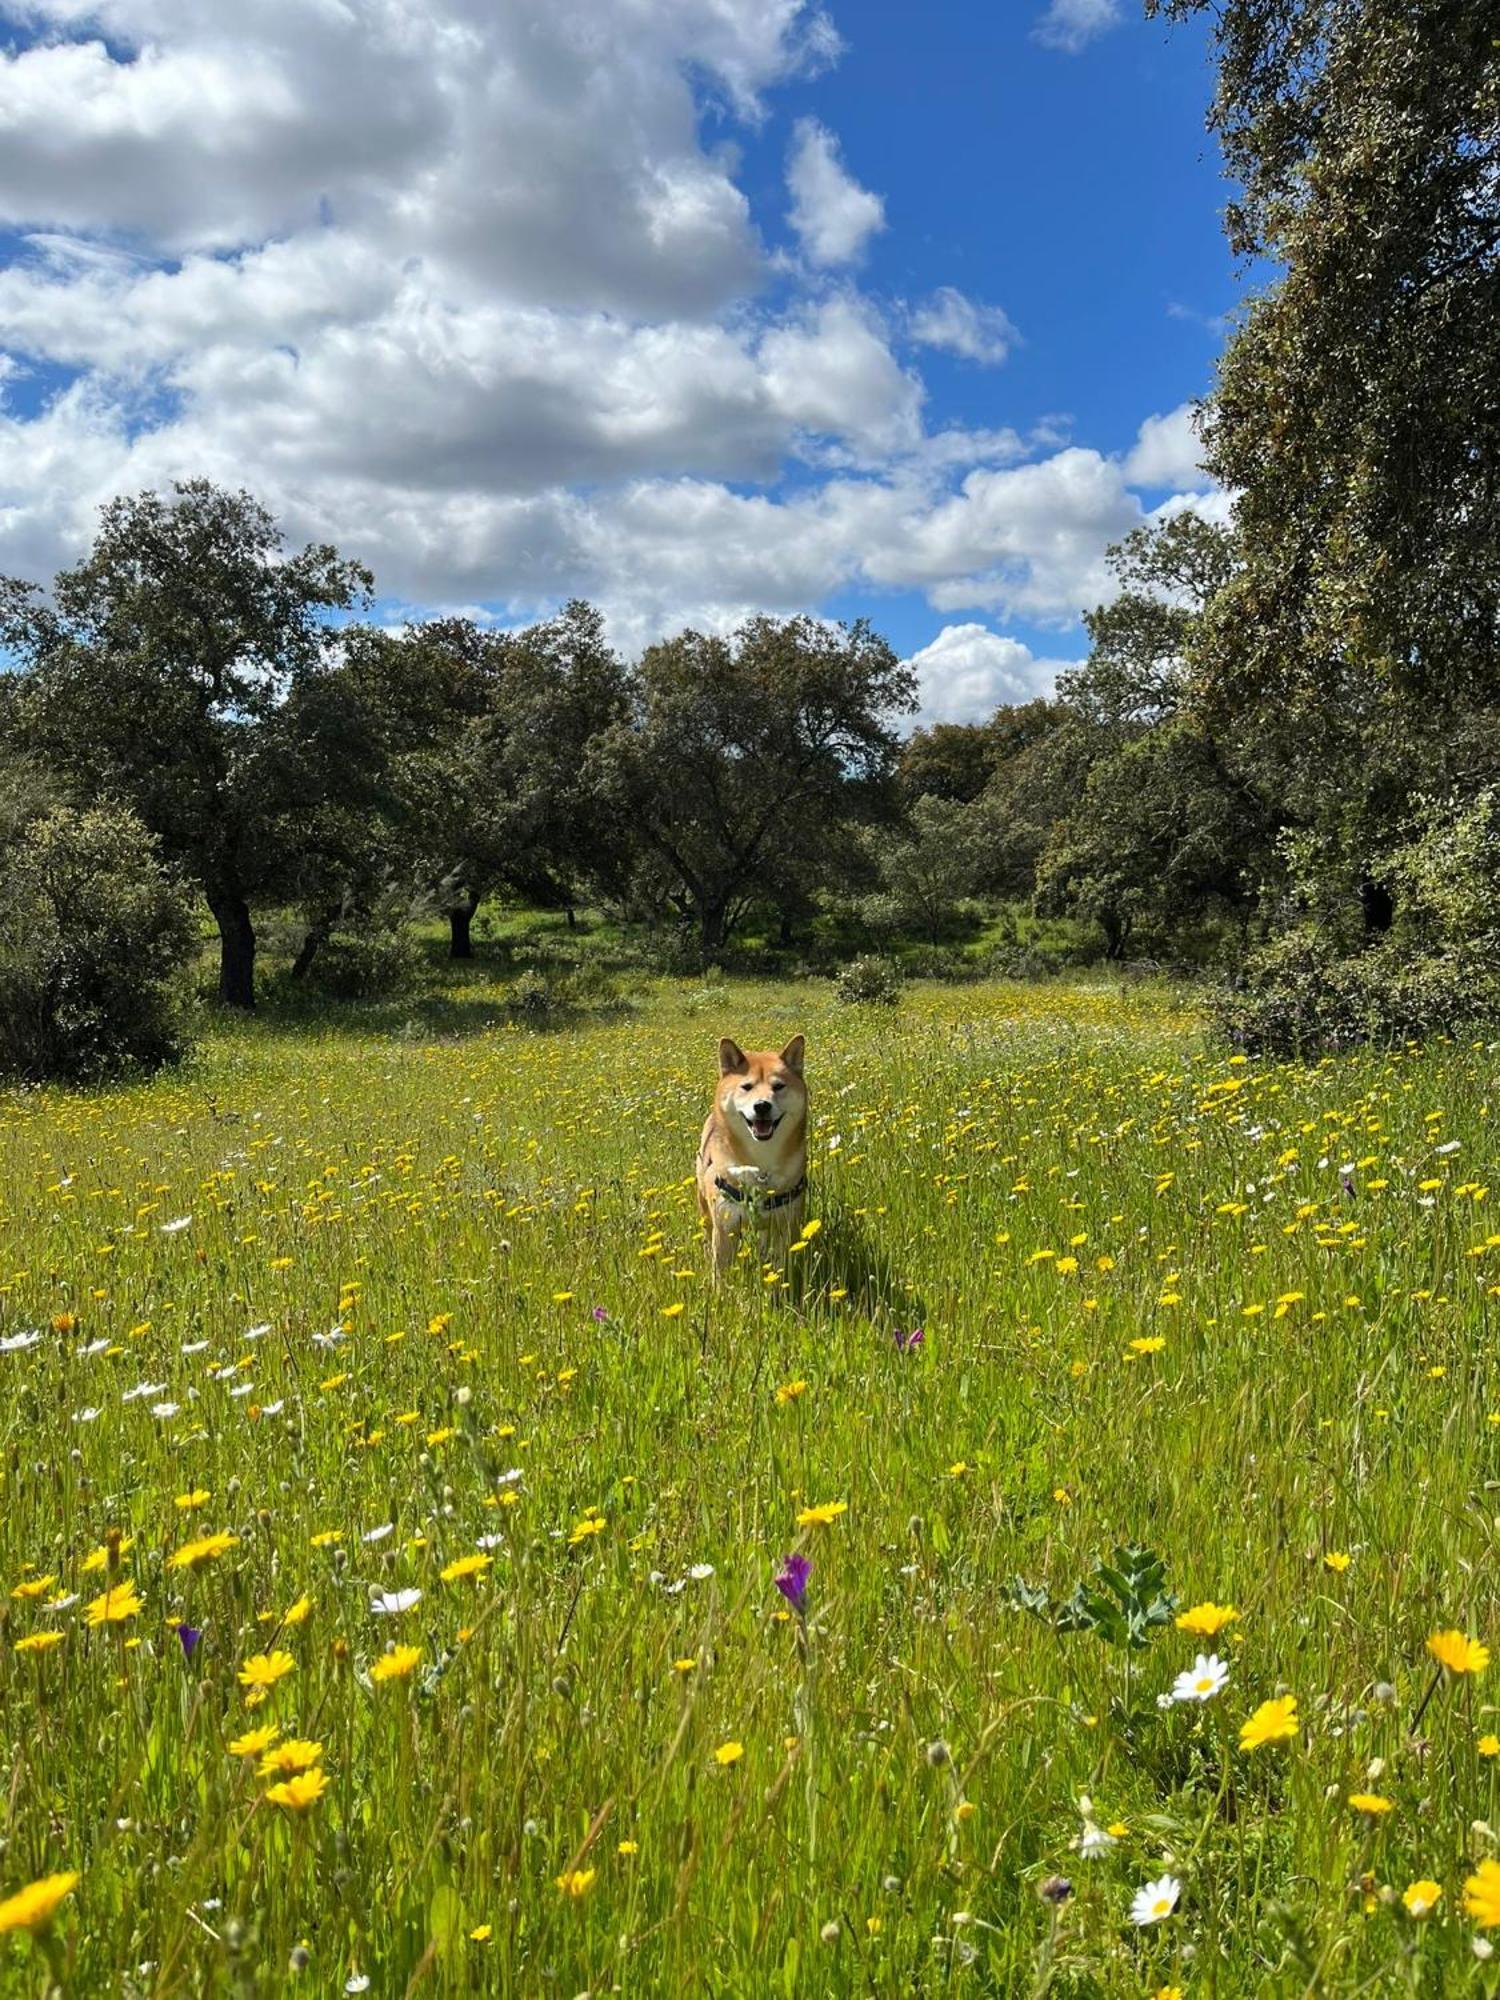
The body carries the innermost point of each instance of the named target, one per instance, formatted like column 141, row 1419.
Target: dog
column 752, row 1160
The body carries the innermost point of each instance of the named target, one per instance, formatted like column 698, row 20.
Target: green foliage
column 359, row 961
column 1126, row 1603
column 96, row 947
column 925, row 867
column 869, row 982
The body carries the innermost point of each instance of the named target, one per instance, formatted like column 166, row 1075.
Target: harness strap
column 736, row 1193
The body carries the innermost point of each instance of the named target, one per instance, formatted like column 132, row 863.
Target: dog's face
column 761, row 1090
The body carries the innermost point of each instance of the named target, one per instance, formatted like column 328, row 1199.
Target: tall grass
column 373, row 1304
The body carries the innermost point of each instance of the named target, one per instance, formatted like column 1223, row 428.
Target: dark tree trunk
column 1377, row 906
column 236, row 948
column 572, row 918
column 784, row 936
column 1114, row 929
column 313, row 942
column 713, row 928
column 460, row 917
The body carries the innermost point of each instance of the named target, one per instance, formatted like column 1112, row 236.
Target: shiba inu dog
column 752, row 1161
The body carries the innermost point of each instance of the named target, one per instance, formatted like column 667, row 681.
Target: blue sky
column 694, row 307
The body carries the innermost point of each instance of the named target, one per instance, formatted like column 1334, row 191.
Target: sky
column 694, row 308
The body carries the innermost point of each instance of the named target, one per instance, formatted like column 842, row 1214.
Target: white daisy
column 14, row 1342
column 1202, row 1681
column 387, row 1603
column 379, row 1534
column 1094, row 1843
column 257, row 1332
column 176, row 1225
column 701, row 1572
column 1155, row 1900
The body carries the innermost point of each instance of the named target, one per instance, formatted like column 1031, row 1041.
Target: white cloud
column 834, row 217
column 1071, row 24
column 968, row 671
column 948, row 320
column 1167, row 453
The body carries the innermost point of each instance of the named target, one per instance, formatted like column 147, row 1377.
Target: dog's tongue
column 762, row 1127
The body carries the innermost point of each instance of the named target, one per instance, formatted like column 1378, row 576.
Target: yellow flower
column 790, row 1391
column 36, row 1586
column 298, row 1793
column 466, row 1566
column 729, row 1753
column 254, row 1741
column 296, row 1613
column 1273, row 1722
column 1206, row 1619
column 326, row 1537
column 593, row 1524
column 481, row 1933
column 1422, row 1898
column 1337, row 1561
column 288, row 1758
column 823, row 1515
column 91, row 1564
column 628, row 1847
column 1488, row 1746
column 684, row 1666
column 1458, row 1654
column 188, row 1501
column 116, row 1605
column 38, row 1642
column 33, row 1908
column 396, row 1665
column 576, row 1882
column 264, row 1670
column 1482, row 1895
column 191, row 1554
column 673, row 1312
column 1369, row 1802
column 1150, row 1343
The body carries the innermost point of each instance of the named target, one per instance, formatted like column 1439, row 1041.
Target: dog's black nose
column 763, row 1105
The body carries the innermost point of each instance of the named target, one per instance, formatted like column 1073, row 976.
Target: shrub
column 869, row 981
column 531, row 997
column 97, row 942
column 366, row 961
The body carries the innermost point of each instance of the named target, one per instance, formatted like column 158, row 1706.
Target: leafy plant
column 1125, row 1601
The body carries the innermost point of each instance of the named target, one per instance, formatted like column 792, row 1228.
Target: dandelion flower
column 466, row 1566
column 1206, row 1619
column 193, row 1554
column 288, row 1758
column 1482, row 1895
column 1371, row 1803
column 296, row 1614
column 1458, row 1654
column 38, row 1642
column 1273, row 1722
column 823, row 1515
column 1202, row 1681
column 729, row 1753
column 36, row 1586
column 396, row 1665
column 1488, row 1746
column 298, row 1793
column 1422, row 1898
column 576, row 1882
column 116, row 1605
column 1155, row 1900
column 1337, row 1561
column 254, row 1741
column 591, row 1524
column 264, row 1670
column 33, row 1908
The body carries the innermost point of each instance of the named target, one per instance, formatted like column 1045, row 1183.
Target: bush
column 97, row 943
column 366, row 962
column 869, row 981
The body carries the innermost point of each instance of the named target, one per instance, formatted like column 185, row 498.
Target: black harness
column 756, row 1199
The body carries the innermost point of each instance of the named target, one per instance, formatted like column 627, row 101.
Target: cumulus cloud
column 950, row 321
column 1071, row 24
column 834, row 217
column 1167, row 453
column 968, row 671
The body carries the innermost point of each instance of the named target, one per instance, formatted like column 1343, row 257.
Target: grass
column 373, row 1302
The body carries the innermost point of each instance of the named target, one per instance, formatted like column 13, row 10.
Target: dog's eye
column 778, row 1084
column 746, row 1086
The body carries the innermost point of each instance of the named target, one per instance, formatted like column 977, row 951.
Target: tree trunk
column 313, row 941
column 236, row 948
column 1114, row 930
column 713, row 929
column 572, row 918
column 460, row 945
column 1377, row 906
column 784, row 936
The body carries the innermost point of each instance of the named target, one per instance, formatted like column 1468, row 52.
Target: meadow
column 396, row 1525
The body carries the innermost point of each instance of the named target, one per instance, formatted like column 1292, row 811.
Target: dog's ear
column 792, row 1054
column 731, row 1058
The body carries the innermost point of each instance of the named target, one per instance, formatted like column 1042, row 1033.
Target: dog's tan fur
column 761, row 1167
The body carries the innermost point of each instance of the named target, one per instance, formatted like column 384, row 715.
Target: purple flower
column 791, row 1581
column 598, row 1313
column 905, row 1342
column 189, row 1635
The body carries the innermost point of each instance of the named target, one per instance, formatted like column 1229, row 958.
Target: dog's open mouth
column 763, row 1125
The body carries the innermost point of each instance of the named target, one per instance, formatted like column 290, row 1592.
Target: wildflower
column 1155, row 1900
column 295, row 1614
column 823, row 1515
column 591, row 1524
column 628, row 1847
column 907, row 1343
column 1094, row 1843
column 1337, row 1561
column 188, row 1637
column 1482, row 1895
column 117, row 1604
column 1458, row 1654
column 791, row 1580
column 187, row 1502
column 36, row 1586
column 388, row 1603
column 1371, row 1803
column 38, row 1642
column 1206, row 1619
column 1202, row 1681
column 729, row 1753
column 686, row 1665
column 396, row 1665
column 297, row 1794
column 255, row 1741
column 466, row 1566
column 790, row 1391
column 1150, row 1343
column 1488, row 1746
column 481, row 1933
column 193, row 1554
column 1422, row 1898
column 287, row 1759
column 1273, row 1722
column 33, row 1908
column 264, row 1670
column 576, row 1882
